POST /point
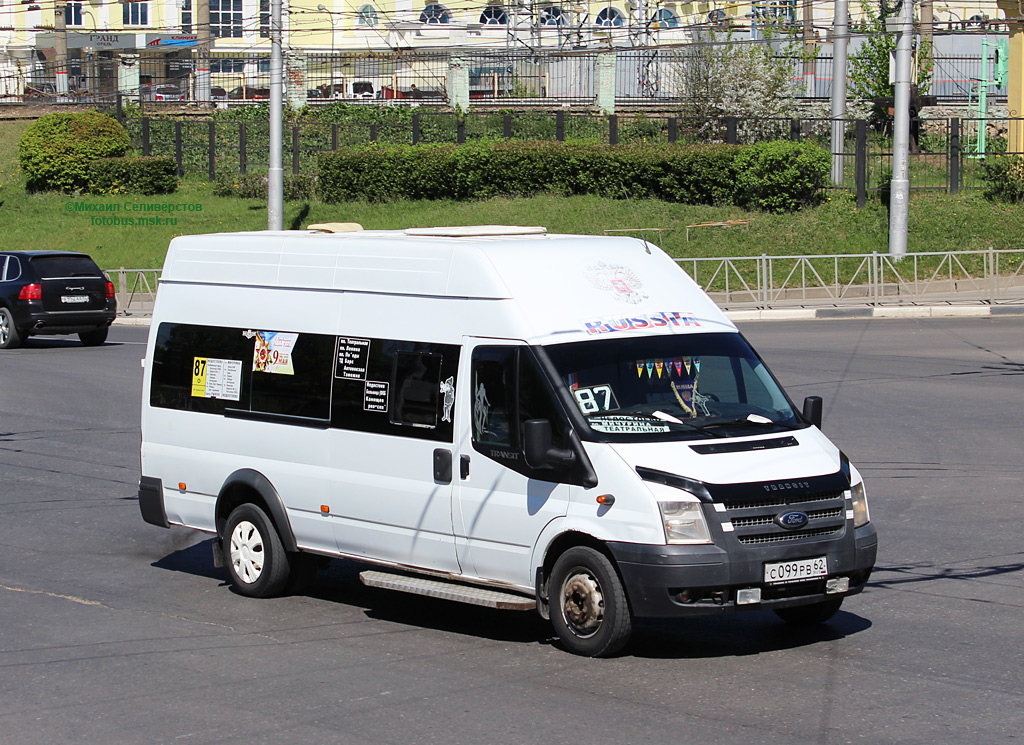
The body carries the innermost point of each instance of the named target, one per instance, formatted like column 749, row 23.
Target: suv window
column 55, row 267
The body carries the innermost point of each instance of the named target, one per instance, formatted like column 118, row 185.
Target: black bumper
column 678, row 581
column 32, row 320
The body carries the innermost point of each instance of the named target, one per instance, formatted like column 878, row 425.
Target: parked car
column 218, row 94
column 164, row 92
column 244, row 93
column 53, row 292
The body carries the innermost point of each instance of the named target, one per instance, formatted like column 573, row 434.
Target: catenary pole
column 840, row 44
column 899, row 200
column 275, row 175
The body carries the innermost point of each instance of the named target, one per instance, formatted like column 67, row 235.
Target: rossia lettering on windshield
column 640, row 321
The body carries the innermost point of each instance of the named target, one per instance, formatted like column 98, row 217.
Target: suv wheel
column 9, row 336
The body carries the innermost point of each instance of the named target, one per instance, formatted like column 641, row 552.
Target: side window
column 3, row 267
column 417, row 383
column 201, row 368
column 507, row 390
column 291, row 374
column 493, row 392
column 394, row 387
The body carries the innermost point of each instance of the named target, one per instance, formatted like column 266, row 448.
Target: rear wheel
column 589, row 610
column 809, row 615
column 257, row 561
column 94, row 338
column 9, row 336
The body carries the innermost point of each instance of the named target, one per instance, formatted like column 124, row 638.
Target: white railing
column 990, row 277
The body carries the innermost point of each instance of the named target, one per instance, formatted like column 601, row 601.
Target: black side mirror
column 812, row 410
column 539, row 450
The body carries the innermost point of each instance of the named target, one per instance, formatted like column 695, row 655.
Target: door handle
column 464, row 467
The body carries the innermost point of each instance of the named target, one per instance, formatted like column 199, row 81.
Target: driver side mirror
column 812, row 410
column 539, row 450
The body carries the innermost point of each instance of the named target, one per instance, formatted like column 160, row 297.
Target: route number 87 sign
column 595, row 399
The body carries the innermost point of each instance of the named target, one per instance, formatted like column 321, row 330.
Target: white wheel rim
column 4, row 330
column 247, row 555
column 582, row 603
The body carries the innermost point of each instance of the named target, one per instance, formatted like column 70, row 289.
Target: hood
column 812, row 455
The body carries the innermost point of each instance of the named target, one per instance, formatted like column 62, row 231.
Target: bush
column 693, row 175
column 780, row 176
column 153, row 175
column 297, row 187
column 1004, row 177
column 55, row 151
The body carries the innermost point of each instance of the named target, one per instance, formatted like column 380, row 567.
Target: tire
column 94, row 338
column 257, row 562
column 9, row 336
column 588, row 606
column 810, row 615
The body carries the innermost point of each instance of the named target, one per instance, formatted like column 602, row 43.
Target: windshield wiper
column 750, row 420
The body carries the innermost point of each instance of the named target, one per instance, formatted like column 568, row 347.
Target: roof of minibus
column 576, row 275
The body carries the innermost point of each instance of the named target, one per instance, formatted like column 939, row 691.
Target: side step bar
column 436, row 588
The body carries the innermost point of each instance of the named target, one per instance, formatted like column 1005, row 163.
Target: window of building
column 73, row 14
column 609, row 17
column 226, row 18
column 665, row 18
column 552, row 15
column 135, row 14
column 435, row 13
column 367, row 16
column 264, row 19
column 775, row 10
column 227, row 64
column 494, row 15
column 186, row 16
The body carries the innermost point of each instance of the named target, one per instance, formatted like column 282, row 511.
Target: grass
column 938, row 222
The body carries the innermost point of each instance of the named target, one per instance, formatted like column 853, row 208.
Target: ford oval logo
column 791, row 520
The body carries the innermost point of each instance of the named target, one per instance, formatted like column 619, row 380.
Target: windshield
column 688, row 386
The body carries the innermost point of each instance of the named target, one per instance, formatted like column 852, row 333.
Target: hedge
column 782, row 176
column 152, row 175
column 55, row 151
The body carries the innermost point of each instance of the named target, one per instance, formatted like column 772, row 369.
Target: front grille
column 754, row 523
column 797, row 535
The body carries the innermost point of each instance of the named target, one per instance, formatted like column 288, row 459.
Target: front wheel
column 257, row 562
column 589, row 610
column 809, row 615
column 9, row 336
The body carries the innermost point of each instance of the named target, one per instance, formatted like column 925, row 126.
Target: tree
column 869, row 65
column 720, row 76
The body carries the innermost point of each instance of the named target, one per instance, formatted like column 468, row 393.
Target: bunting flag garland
column 687, row 361
column 659, row 365
column 639, row 368
column 696, row 364
column 650, row 368
column 679, row 366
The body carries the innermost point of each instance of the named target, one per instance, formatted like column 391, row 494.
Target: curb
column 908, row 311
column 807, row 314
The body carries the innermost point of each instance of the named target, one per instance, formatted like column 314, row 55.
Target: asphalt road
column 114, row 631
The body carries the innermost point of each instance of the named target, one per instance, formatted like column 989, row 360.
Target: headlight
column 861, row 514
column 684, row 522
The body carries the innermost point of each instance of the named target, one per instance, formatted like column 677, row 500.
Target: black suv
column 53, row 292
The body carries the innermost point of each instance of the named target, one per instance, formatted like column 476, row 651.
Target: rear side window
column 59, row 267
column 12, row 270
column 384, row 386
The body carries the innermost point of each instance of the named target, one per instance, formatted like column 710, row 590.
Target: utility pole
column 809, row 47
column 275, row 175
column 60, row 28
column 840, row 43
column 202, row 25
column 899, row 200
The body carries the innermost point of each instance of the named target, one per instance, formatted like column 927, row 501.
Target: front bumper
column 679, row 581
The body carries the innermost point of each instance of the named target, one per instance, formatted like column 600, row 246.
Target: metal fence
column 652, row 78
column 947, row 154
column 993, row 277
column 761, row 282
